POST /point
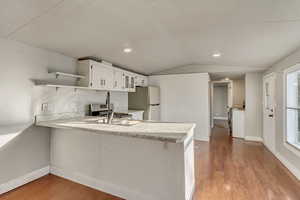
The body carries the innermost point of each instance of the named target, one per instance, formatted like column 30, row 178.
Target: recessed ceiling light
column 127, row 50
column 216, row 55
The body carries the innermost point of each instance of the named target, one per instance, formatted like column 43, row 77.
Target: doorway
column 221, row 101
column 269, row 105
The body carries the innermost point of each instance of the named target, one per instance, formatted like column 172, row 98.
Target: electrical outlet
column 45, row 107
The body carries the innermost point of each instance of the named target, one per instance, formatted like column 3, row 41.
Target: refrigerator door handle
column 154, row 104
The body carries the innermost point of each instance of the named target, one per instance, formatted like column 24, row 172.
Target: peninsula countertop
column 161, row 131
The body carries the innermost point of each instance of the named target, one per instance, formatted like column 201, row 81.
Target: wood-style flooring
column 226, row 169
column 233, row 169
column 51, row 187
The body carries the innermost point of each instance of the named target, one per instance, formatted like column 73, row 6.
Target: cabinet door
column 144, row 81
column 126, row 81
column 129, row 82
column 132, row 84
column 108, row 77
column 118, row 80
column 102, row 77
column 94, row 76
column 141, row 80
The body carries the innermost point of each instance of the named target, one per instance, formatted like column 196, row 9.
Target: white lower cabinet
column 238, row 123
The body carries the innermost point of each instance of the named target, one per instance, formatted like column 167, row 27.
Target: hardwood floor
column 237, row 170
column 51, row 187
column 226, row 169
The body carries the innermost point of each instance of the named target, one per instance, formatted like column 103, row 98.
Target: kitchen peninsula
column 141, row 160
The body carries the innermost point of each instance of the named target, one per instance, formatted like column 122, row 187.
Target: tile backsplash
column 66, row 100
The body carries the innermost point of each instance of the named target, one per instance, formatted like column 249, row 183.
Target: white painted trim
column 292, row 148
column 221, row 118
column 105, row 186
column 229, row 96
column 17, row 182
column 269, row 75
column 294, row 170
column 193, row 192
column 94, row 183
column 289, row 146
column 253, row 139
column 203, row 139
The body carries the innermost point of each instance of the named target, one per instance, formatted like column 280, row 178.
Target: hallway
column 238, row 170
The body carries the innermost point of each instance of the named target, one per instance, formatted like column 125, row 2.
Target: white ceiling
column 163, row 33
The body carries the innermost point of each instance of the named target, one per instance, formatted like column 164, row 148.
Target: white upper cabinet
column 103, row 76
column 141, row 80
column 85, row 68
column 129, row 82
column 98, row 75
column 118, row 80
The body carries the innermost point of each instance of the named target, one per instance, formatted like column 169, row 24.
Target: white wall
column 291, row 159
column 253, row 110
column 220, row 103
column 20, row 99
column 185, row 98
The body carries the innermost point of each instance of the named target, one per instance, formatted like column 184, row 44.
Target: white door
column 269, row 106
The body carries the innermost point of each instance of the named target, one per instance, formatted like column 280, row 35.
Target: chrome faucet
column 110, row 111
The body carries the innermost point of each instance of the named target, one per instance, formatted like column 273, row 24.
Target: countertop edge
column 171, row 140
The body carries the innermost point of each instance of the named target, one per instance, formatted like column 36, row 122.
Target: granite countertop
column 13, row 128
column 134, row 111
column 129, row 111
column 161, row 131
column 9, row 132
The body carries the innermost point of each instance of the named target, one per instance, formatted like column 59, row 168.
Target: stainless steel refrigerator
column 147, row 99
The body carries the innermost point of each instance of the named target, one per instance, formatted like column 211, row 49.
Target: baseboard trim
column 253, row 139
column 192, row 192
column 17, row 182
column 294, row 170
column 96, row 184
column 203, row 139
column 221, row 118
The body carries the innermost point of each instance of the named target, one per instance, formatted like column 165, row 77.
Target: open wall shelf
column 57, row 74
column 68, row 86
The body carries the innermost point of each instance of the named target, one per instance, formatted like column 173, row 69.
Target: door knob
column 271, row 115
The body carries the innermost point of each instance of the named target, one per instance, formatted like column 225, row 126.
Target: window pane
column 293, row 128
column 293, row 90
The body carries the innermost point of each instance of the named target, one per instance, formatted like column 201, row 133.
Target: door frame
column 229, row 96
column 274, row 115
